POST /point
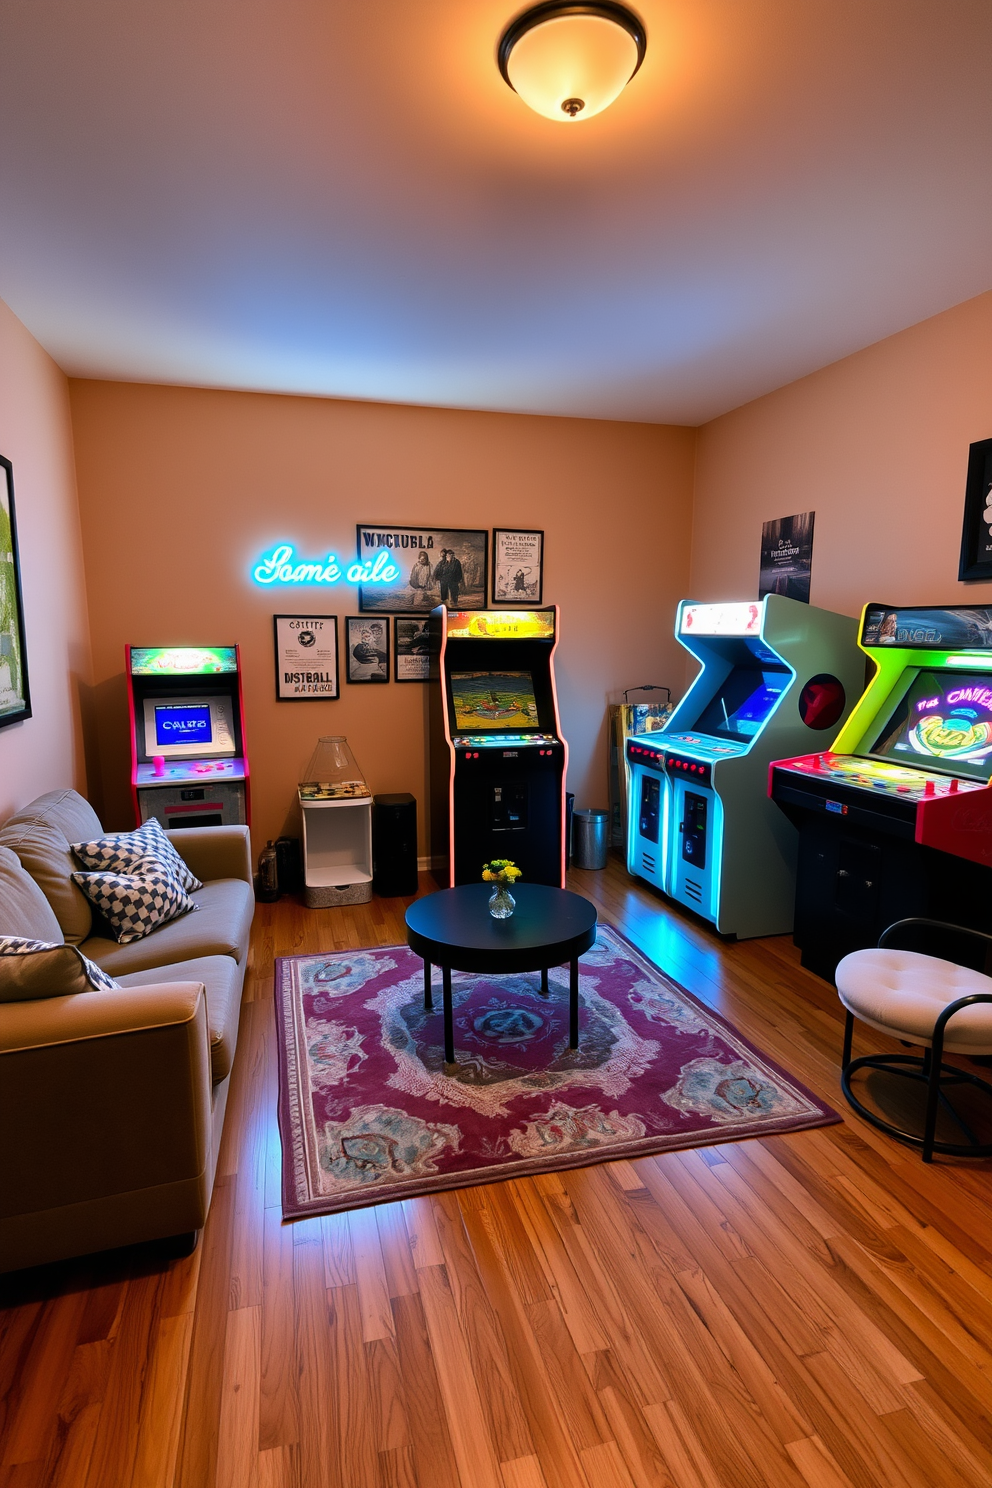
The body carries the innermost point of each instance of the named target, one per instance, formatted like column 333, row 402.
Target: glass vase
column 502, row 903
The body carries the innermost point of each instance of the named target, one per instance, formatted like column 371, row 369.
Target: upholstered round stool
column 941, row 1004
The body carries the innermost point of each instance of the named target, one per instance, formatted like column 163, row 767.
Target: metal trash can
column 590, row 838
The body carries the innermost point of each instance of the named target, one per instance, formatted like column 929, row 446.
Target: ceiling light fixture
column 570, row 61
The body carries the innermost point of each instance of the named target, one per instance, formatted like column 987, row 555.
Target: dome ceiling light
column 570, row 61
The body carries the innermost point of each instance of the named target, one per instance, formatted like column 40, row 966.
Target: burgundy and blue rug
column 367, row 1113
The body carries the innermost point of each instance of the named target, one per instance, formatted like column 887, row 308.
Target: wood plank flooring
column 804, row 1311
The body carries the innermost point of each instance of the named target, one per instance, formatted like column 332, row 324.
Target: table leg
column 573, row 1003
column 544, row 981
column 428, row 1000
column 449, row 1022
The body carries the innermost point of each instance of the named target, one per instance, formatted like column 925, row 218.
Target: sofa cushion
column 40, row 834
column 220, row 927
column 222, row 981
column 24, row 910
column 30, row 969
column 133, row 904
column 119, row 852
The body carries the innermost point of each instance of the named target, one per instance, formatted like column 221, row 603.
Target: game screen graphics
column 944, row 720
column 493, row 700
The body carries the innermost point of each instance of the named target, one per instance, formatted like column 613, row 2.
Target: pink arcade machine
column 189, row 760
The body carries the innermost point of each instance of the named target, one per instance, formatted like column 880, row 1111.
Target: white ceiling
column 343, row 197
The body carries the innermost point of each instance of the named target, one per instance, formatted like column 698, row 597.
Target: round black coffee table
column 453, row 929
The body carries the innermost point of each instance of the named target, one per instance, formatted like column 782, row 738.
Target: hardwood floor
column 805, row 1311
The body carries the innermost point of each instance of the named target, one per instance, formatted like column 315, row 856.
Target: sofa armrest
column 214, row 852
column 103, row 1093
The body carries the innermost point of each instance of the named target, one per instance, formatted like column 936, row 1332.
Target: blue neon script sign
column 280, row 567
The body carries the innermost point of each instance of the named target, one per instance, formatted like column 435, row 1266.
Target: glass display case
column 336, row 807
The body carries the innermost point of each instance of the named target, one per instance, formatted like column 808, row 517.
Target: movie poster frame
column 16, row 715
column 321, row 697
column 373, row 599
column 362, row 621
column 529, row 602
column 399, row 620
column 977, row 501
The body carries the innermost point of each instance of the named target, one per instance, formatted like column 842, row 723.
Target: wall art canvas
column 411, row 650
column 437, row 565
column 306, row 657
column 976, row 539
column 787, row 556
column 367, row 645
column 518, row 567
column 15, row 695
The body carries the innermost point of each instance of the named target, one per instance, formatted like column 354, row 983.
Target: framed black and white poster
column 306, row 657
column 518, row 567
column 787, row 557
column 367, row 648
column 976, row 539
column 411, row 650
column 15, row 695
column 411, row 569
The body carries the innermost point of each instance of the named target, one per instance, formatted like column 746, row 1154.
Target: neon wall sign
column 282, row 567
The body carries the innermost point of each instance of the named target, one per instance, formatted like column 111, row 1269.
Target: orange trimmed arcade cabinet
column 498, row 758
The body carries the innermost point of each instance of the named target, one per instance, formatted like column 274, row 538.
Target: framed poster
column 437, row 565
column 518, row 567
column 411, row 650
column 15, row 695
column 787, row 557
column 306, row 657
column 367, row 648
column 976, row 539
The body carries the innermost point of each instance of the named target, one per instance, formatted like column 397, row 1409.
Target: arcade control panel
column 676, row 765
column 875, row 775
column 185, row 772
column 510, row 744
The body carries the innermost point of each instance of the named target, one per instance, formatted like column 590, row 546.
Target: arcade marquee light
column 282, row 567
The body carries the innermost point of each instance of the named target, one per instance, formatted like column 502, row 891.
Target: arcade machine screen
column 746, row 699
column 493, row 701
column 942, row 720
column 180, row 723
column 186, row 727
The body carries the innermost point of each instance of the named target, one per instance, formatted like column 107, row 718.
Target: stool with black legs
column 940, row 999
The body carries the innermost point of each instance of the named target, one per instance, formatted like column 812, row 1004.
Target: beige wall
column 877, row 446
column 181, row 489
column 46, row 750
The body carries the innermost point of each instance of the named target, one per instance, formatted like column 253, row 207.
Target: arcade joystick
column 158, row 761
column 929, row 789
column 954, row 787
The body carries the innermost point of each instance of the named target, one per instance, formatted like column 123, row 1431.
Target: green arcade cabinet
column 701, row 826
column 896, row 820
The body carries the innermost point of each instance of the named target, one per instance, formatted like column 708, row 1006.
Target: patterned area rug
column 367, row 1113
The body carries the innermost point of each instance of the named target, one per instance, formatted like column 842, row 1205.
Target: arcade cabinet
column 498, row 758
column 896, row 820
column 189, row 763
column 701, row 827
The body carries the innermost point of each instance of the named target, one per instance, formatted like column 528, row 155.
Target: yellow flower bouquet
column 501, row 871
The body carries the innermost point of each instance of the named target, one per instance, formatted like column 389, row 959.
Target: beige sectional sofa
column 112, row 1103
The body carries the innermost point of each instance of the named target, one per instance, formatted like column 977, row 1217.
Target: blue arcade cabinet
column 778, row 677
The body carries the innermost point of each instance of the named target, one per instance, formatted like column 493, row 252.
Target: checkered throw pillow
column 57, row 962
column 121, row 851
column 134, row 903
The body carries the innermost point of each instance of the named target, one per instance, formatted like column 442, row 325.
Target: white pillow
column 134, row 904
column 120, row 852
column 32, row 969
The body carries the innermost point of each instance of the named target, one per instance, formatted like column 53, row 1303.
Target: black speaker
column 394, row 845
